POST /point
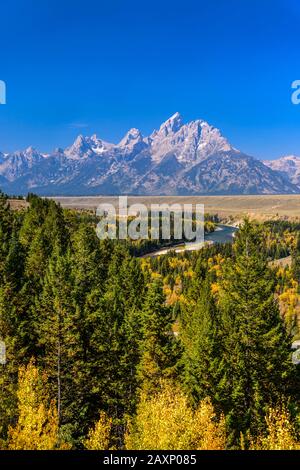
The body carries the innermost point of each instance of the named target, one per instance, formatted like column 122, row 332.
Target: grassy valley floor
column 261, row 207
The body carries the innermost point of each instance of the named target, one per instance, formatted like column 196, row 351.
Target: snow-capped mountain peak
column 131, row 137
column 84, row 147
column 170, row 126
column 190, row 142
column 212, row 138
column 178, row 158
column 132, row 143
column 78, row 149
column 97, row 145
column 16, row 164
column 30, row 151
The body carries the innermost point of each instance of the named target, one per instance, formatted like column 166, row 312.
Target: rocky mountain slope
column 288, row 166
column 178, row 158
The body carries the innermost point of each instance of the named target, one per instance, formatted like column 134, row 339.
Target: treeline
column 98, row 356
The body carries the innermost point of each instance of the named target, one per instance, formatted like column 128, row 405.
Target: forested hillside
column 105, row 350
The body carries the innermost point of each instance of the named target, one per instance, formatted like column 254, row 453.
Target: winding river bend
column 222, row 234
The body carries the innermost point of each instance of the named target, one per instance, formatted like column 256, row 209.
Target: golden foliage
column 155, row 275
column 280, row 432
column 215, row 264
column 175, row 328
column 215, row 287
column 289, row 302
column 99, row 436
column 145, row 264
column 167, row 290
column 189, row 273
column 210, row 432
column 176, row 262
column 166, row 421
column 172, row 299
column 37, row 426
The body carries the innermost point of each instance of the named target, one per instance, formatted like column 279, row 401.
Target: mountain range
column 177, row 159
column 289, row 166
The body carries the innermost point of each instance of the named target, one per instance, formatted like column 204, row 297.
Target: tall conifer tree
column 255, row 347
column 159, row 348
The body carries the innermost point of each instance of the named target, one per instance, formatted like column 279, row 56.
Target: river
column 222, row 234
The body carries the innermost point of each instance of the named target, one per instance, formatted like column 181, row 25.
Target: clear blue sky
column 85, row 66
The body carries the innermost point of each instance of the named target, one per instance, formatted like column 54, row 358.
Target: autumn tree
column 99, row 436
column 37, row 424
column 280, row 433
column 166, row 421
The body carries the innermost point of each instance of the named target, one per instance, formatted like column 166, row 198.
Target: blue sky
column 104, row 66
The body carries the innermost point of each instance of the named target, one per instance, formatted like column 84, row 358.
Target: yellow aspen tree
column 99, row 436
column 37, row 425
column 280, row 432
column 209, row 432
column 166, row 421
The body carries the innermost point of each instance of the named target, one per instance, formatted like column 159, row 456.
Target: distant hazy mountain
column 289, row 166
column 178, row 158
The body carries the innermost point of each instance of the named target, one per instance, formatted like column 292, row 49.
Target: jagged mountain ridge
column 288, row 166
column 178, row 158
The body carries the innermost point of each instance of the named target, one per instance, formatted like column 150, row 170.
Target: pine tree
column 200, row 336
column 56, row 328
column 6, row 222
column 85, row 289
column 12, row 329
column 254, row 346
column 159, row 348
column 104, row 366
column 117, row 338
column 87, row 266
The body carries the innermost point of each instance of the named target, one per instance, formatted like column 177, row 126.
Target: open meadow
column 260, row 207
